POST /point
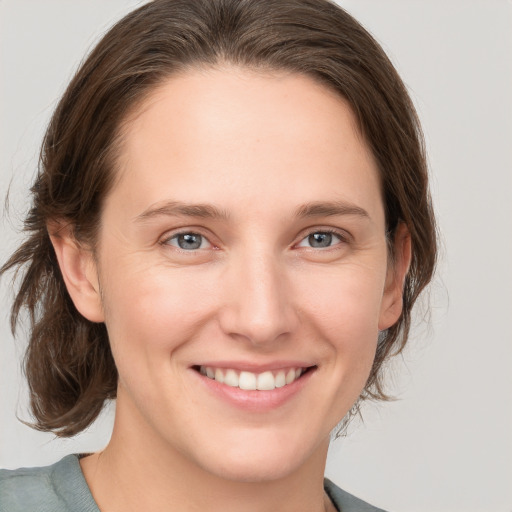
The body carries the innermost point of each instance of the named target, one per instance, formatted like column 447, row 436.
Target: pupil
column 189, row 241
column 320, row 239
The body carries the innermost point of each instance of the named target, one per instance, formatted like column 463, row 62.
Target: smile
column 265, row 381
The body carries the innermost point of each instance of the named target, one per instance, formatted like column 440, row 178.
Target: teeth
column 247, row 381
column 290, row 376
column 266, row 381
column 219, row 376
column 231, row 378
column 280, row 379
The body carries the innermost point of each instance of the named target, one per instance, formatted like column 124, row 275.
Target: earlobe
column 392, row 301
column 78, row 270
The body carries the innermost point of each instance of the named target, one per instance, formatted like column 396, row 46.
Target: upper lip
column 250, row 366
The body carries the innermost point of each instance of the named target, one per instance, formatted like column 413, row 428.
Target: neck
column 139, row 471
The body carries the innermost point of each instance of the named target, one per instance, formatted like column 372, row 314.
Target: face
column 242, row 270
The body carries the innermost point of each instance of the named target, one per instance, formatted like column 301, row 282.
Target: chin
column 247, row 470
column 262, row 458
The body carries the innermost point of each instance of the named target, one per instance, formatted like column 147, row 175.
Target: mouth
column 252, row 381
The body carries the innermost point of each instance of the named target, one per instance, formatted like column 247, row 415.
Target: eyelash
column 168, row 239
column 343, row 238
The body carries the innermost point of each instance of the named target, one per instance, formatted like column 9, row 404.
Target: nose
column 258, row 305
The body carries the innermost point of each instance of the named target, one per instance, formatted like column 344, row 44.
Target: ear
column 78, row 269
column 391, row 306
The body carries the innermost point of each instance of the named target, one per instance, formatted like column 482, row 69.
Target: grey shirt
column 61, row 487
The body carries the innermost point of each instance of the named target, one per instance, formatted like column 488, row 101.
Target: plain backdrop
column 446, row 444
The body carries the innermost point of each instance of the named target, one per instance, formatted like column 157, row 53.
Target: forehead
column 226, row 130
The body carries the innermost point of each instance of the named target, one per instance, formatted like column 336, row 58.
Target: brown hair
column 68, row 362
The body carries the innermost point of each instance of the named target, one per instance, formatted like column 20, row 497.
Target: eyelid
column 343, row 235
column 169, row 235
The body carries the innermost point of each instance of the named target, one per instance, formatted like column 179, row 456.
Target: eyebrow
column 330, row 209
column 209, row 211
column 180, row 209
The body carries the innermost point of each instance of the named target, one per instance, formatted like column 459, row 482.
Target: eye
column 188, row 241
column 321, row 240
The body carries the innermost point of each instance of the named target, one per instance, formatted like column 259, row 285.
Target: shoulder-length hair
column 68, row 362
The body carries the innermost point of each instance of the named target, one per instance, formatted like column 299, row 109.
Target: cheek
column 345, row 300
column 343, row 309
column 149, row 317
column 149, row 312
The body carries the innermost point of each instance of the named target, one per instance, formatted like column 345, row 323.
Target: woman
column 229, row 229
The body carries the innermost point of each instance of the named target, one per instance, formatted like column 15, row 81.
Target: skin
column 258, row 147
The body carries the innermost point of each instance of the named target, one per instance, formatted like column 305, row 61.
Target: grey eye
column 188, row 241
column 320, row 239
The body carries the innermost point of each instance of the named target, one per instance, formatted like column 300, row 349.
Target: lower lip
column 255, row 400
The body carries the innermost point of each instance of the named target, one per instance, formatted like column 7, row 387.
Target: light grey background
column 446, row 445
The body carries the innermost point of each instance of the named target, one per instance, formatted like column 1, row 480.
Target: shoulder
column 60, row 487
column 345, row 501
